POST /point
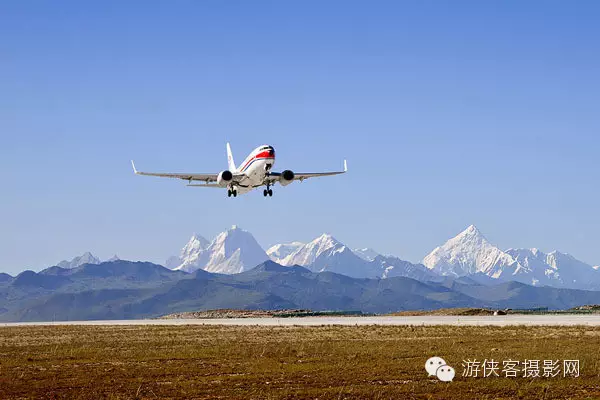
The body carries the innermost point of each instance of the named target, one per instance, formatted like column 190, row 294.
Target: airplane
column 254, row 172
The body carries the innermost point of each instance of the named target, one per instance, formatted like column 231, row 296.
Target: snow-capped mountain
column 281, row 251
column 469, row 253
column 556, row 269
column 85, row 258
column 190, row 252
column 393, row 266
column 341, row 260
column 114, row 258
column 231, row 252
column 306, row 254
column 196, row 244
column 366, row 253
column 326, row 253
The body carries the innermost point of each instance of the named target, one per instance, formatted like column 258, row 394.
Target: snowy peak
column 232, row 251
column 280, row 251
column 392, row 267
column 471, row 231
column 530, row 258
column 327, row 254
column 85, row 258
column 471, row 234
column 196, row 244
column 308, row 253
column 469, row 252
column 535, row 256
column 556, row 258
column 198, row 241
column 366, row 254
column 190, row 252
column 556, row 269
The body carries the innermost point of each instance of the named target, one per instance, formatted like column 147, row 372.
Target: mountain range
column 85, row 258
column 233, row 271
column 127, row 290
column 469, row 254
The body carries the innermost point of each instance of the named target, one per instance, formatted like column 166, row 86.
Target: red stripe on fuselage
column 261, row 155
column 264, row 154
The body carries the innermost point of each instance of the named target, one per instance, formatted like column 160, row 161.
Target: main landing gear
column 231, row 193
column 268, row 191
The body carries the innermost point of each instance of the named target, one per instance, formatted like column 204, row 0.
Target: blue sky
column 449, row 113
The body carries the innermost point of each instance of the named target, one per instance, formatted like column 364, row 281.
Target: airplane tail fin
column 231, row 163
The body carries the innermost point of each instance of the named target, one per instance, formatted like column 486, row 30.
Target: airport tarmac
column 504, row 320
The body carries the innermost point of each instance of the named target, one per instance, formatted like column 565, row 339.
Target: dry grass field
column 205, row 362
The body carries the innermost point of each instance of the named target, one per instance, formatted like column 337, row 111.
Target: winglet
column 134, row 170
column 345, row 166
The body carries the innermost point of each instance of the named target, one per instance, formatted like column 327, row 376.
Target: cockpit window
column 269, row 149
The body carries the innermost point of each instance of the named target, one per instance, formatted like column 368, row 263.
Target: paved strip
column 505, row 320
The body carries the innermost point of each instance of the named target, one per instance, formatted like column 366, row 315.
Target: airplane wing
column 300, row 176
column 208, row 185
column 208, row 178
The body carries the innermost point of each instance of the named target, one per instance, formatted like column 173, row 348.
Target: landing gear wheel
column 228, row 193
column 270, row 193
column 265, row 192
column 235, row 193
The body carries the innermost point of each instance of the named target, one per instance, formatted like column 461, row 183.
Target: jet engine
column 224, row 178
column 286, row 177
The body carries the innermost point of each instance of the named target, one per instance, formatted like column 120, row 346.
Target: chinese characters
column 517, row 368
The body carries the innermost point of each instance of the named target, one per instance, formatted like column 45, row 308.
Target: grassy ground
column 371, row 362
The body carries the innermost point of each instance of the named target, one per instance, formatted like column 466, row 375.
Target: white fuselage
column 255, row 168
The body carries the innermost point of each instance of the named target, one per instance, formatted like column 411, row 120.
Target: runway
column 505, row 320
